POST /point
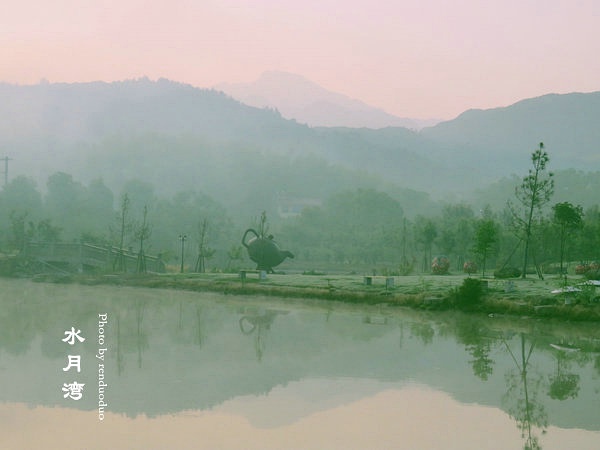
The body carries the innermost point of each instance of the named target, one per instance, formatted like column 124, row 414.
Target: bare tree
column 263, row 226
column 119, row 262
column 204, row 252
column 142, row 233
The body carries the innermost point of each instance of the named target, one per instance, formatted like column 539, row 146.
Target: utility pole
column 6, row 159
column 182, row 238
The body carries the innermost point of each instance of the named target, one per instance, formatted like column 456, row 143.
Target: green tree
column 486, row 237
column 182, row 215
column 426, row 231
column 533, row 193
column 19, row 200
column 44, row 231
column 356, row 226
column 98, row 211
column 588, row 240
column 20, row 195
column 457, row 228
column 18, row 234
column 141, row 195
column 65, row 201
column 568, row 218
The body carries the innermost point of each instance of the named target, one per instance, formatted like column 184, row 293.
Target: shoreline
column 528, row 298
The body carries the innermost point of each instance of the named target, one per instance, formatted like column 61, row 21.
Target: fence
column 84, row 256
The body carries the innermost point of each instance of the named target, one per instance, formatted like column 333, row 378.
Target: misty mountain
column 96, row 130
column 502, row 139
column 175, row 137
column 91, row 111
column 297, row 98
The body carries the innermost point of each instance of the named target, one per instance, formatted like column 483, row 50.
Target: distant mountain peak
column 303, row 100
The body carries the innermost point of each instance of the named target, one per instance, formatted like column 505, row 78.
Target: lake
column 105, row 367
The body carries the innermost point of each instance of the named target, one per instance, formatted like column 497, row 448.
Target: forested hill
column 177, row 136
column 504, row 137
column 96, row 130
column 91, row 111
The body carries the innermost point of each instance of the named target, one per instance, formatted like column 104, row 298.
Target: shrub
column 440, row 265
column 469, row 294
column 593, row 274
column 469, row 267
column 405, row 268
column 507, row 272
column 593, row 271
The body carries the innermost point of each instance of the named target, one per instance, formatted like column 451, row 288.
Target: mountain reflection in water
column 189, row 370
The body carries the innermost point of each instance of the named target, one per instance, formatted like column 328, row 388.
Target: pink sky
column 413, row 58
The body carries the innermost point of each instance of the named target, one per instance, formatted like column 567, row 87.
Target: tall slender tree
column 533, row 193
column 119, row 263
column 204, row 252
column 142, row 233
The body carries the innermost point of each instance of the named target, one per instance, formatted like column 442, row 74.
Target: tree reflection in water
column 562, row 383
column 141, row 337
column 126, row 341
column 516, row 361
column 423, row 331
column 478, row 343
column 522, row 389
column 199, row 337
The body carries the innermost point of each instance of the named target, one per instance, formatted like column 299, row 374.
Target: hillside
column 300, row 99
column 95, row 130
column 501, row 139
column 178, row 137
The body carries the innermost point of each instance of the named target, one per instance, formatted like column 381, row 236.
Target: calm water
column 187, row 370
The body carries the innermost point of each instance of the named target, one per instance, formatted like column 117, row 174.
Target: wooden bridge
column 81, row 257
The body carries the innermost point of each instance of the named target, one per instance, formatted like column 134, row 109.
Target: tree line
column 354, row 229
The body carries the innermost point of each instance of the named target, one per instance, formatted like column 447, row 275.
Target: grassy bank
column 530, row 297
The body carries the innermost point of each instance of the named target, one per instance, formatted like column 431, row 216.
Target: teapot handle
column 249, row 230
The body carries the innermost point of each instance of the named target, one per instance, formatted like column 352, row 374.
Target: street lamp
column 182, row 238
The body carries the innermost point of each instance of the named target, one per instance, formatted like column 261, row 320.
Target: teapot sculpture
column 264, row 251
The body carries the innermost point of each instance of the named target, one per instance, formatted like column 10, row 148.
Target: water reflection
column 258, row 324
column 284, row 365
column 522, row 394
column 564, row 384
column 478, row 341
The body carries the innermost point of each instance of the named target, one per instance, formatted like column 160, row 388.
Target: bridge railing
column 83, row 254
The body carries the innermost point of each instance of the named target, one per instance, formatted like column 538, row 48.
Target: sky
column 412, row 58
